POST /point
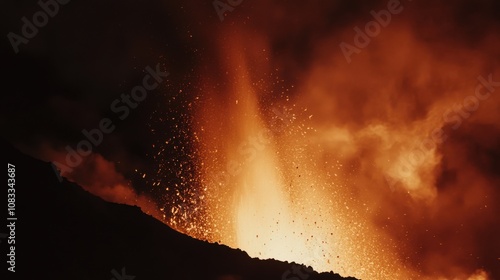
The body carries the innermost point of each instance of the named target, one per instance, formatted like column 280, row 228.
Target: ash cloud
column 398, row 89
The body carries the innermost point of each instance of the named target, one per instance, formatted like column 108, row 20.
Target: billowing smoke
column 389, row 159
column 100, row 177
column 404, row 95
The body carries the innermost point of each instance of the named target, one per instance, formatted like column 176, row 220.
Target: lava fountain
column 385, row 167
column 338, row 172
column 382, row 168
column 268, row 193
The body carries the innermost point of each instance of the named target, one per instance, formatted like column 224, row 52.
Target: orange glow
column 100, row 177
column 343, row 181
column 360, row 169
column 370, row 169
column 275, row 201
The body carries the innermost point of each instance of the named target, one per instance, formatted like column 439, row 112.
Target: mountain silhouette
column 64, row 232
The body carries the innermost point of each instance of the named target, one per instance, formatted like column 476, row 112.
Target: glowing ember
column 345, row 171
column 303, row 131
column 269, row 194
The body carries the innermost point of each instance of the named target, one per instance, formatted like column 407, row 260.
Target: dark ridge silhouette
column 64, row 232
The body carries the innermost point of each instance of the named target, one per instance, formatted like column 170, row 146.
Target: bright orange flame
column 273, row 200
column 315, row 188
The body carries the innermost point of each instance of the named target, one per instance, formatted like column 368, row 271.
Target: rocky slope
column 63, row 232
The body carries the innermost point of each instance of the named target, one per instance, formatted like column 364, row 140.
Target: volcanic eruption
column 380, row 164
column 380, row 168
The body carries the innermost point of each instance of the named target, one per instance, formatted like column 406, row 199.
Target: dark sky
column 66, row 77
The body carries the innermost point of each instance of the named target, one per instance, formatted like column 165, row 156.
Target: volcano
column 359, row 137
column 63, row 232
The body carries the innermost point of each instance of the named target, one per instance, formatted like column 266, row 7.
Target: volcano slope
column 63, row 232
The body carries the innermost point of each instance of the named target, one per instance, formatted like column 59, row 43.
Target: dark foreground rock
column 63, row 232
